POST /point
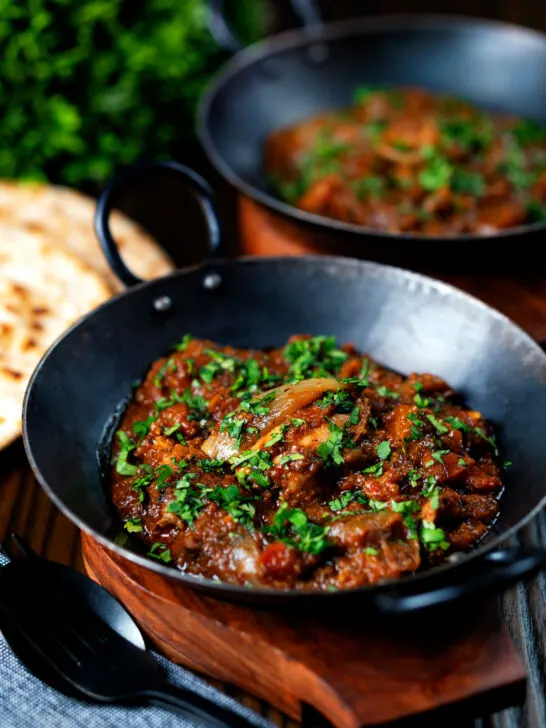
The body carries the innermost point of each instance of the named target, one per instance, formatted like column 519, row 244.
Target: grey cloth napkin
column 26, row 702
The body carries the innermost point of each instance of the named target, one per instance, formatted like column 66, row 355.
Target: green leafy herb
column 371, row 551
column 416, row 426
column 169, row 366
column 384, row 391
column 133, row 525
column 414, row 477
column 163, row 473
column 439, row 454
column 371, row 186
column 142, row 427
column 183, row 344
column 341, row 400
column 429, row 486
column 383, row 450
column 490, row 440
column 297, row 422
column 528, row 132
column 126, row 445
column 331, row 450
column 461, row 462
column 314, row 357
column 467, row 182
column 293, row 527
column 277, row 436
column 188, row 499
column 210, row 466
column 376, row 470
column 234, row 427
column 442, row 429
column 140, row 485
column 507, row 464
column 290, row 458
column 470, row 134
column 458, row 424
column 240, row 508
column 160, row 552
column 259, row 406
column 433, row 538
column 355, row 416
column 171, row 430
column 437, row 171
column 338, row 504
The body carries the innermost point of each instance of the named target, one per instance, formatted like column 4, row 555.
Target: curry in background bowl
column 407, row 160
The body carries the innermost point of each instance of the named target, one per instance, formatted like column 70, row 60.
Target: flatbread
column 64, row 218
column 43, row 289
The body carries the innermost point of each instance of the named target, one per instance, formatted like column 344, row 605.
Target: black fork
column 60, row 627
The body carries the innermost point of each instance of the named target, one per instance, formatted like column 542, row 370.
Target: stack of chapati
column 52, row 271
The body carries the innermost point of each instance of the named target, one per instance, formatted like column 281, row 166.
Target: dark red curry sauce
column 407, row 160
column 308, row 466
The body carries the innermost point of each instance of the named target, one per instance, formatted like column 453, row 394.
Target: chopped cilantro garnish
column 276, row 437
column 433, row 538
column 142, row 427
column 371, row 186
column 376, row 470
column 338, row 504
column 341, row 400
column 239, row 507
column 439, row 454
column 371, row 551
column 355, row 416
column 414, row 477
column 383, row 450
column 290, row 458
column 461, row 462
column 297, row 422
column 140, row 485
column 259, row 406
column 171, row 430
column 458, row 424
column 314, row 357
column 331, row 450
column 429, row 485
column 133, row 525
column 183, row 344
column 126, row 445
column 293, row 527
column 234, row 427
column 210, row 466
column 442, row 429
column 163, row 473
column 169, row 366
column 490, row 440
column 384, row 391
column 160, row 552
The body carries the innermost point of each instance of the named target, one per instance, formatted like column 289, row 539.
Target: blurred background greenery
column 89, row 85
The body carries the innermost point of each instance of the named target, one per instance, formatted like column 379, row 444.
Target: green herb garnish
column 126, row 445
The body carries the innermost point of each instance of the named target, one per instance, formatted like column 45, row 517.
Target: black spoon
column 75, row 636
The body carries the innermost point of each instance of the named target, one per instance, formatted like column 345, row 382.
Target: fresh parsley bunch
column 86, row 86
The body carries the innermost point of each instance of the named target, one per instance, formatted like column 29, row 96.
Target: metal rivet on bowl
column 163, row 303
column 212, row 281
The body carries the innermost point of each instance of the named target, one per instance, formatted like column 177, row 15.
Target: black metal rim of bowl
column 337, row 30
column 280, row 596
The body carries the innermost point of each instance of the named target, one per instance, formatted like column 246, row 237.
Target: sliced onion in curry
column 288, row 399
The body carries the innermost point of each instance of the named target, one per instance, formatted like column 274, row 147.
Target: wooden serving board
column 348, row 666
